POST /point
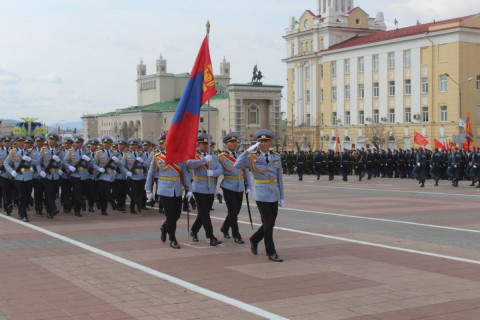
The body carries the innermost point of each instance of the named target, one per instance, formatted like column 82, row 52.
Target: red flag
column 468, row 132
column 438, row 144
column 182, row 134
column 419, row 139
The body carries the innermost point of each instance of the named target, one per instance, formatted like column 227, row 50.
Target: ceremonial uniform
column 169, row 188
column 235, row 182
column 317, row 164
column 300, row 165
column 105, row 163
column 419, row 171
column 435, row 164
column 6, row 180
column 345, row 164
column 37, row 184
column 205, row 171
column 120, row 186
column 269, row 192
column 331, row 164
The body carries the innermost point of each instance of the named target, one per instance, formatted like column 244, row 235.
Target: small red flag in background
column 419, row 139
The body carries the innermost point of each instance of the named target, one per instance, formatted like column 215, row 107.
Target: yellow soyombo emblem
column 208, row 80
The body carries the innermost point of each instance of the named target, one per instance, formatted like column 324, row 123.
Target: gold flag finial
column 208, row 27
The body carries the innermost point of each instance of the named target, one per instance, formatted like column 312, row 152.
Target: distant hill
column 9, row 122
column 67, row 125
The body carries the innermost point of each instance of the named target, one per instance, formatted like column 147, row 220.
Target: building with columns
column 378, row 86
column 237, row 107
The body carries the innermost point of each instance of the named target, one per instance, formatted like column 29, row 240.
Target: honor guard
column 345, row 164
column 169, row 188
column 235, row 182
column 120, row 186
column 435, row 164
column 300, row 165
column 37, row 184
column 49, row 169
column 19, row 165
column 331, row 164
column 132, row 165
column 6, row 180
column 66, row 196
column 105, row 163
column 92, row 181
column 420, row 168
column 205, row 170
column 317, row 164
column 161, row 150
column 266, row 168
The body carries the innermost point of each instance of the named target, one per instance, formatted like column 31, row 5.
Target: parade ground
column 375, row 249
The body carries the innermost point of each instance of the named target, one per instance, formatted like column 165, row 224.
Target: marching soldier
column 435, row 164
column 300, row 165
column 266, row 168
column 317, row 164
column 161, row 150
column 205, row 171
column 331, row 164
column 5, row 178
column 132, row 166
column 38, row 187
column 66, row 197
column 169, row 188
column 235, row 182
column 91, row 191
column 453, row 170
column 105, row 163
column 120, row 187
column 49, row 169
column 360, row 164
column 345, row 164
column 19, row 164
column 421, row 165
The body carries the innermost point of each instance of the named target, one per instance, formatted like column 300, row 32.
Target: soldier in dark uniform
column 331, row 164
column 453, row 170
column 389, row 163
column 360, row 164
column 435, row 163
column 317, row 163
column 370, row 164
column 419, row 171
column 345, row 164
column 300, row 165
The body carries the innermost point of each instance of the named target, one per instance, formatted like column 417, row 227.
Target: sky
column 61, row 59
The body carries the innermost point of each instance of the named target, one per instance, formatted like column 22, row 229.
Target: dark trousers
column 173, row 209
column 268, row 213
column 204, row 204
column 51, row 187
column 38, row 193
column 300, row 172
column 66, row 195
column 23, row 189
column 120, row 189
column 331, row 172
column 91, row 192
column 233, row 201
column 78, row 187
column 105, row 194
column 136, row 192
column 7, row 188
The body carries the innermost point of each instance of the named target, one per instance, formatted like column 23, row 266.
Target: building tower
column 141, row 69
column 331, row 9
column 161, row 65
column 225, row 68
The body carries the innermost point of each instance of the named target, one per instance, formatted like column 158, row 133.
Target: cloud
column 51, row 77
column 7, row 78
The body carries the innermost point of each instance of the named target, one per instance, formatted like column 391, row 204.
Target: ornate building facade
column 344, row 69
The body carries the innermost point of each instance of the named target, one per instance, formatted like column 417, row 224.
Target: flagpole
column 208, row 105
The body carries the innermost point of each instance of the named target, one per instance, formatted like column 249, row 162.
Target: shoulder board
column 99, row 151
column 221, row 154
column 29, row 149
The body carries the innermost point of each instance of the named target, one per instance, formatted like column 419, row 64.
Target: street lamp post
column 460, row 85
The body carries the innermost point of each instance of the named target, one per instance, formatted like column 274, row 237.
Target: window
column 361, row 91
column 307, row 46
column 443, row 113
column 391, row 115
column 308, row 120
column 408, row 115
column 293, row 96
column 391, row 60
column 334, row 93
column 376, row 116
column 252, row 115
column 361, row 66
column 361, row 117
column 347, row 66
column 307, row 96
column 408, row 87
column 425, row 85
column 292, row 49
column 443, row 83
column 375, row 62
column 302, row 48
column 391, row 88
column 407, row 58
column 321, row 94
column 376, row 89
column 347, row 117
column 321, row 118
column 347, row 92
column 307, row 73
column 334, row 118
column 425, row 114
column 478, row 83
column 322, row 42
column 321, row 71
column 334, row 68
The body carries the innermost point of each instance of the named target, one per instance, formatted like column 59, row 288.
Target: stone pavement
column 380, row 249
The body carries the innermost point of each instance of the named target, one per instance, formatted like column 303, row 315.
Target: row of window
column 147, row 85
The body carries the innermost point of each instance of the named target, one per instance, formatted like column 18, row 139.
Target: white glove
column 129, row 174
column 455, row 166
column 208, row 158
column 386, row 165
column 114, row 158
column 101, row 170
column 418, row 164
column 209, row 173
column 282, row 202
column 85, row 157
column 72, row 168
column 252, row 148
column 60, row 172
column 14, row 174
column 27, row 158
column 31, row 169
column 189, row 195
column 474, row 166
column 42, row 174
column 149, row 195
column 56, row 158
column 139, row 159
column 247, row 191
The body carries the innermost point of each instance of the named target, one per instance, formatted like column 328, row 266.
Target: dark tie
column 135, row 154
column 266, row 158
column 22, row 153
column 79, row 152
column 108, row 153
column 52, row 152
column 234, row 155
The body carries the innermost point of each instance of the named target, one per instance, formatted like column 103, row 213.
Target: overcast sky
column 60, row 59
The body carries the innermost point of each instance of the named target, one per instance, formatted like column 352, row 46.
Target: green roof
column 255, row 84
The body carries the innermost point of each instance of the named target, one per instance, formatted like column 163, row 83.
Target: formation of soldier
column 88, row 174
column 421, row 164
